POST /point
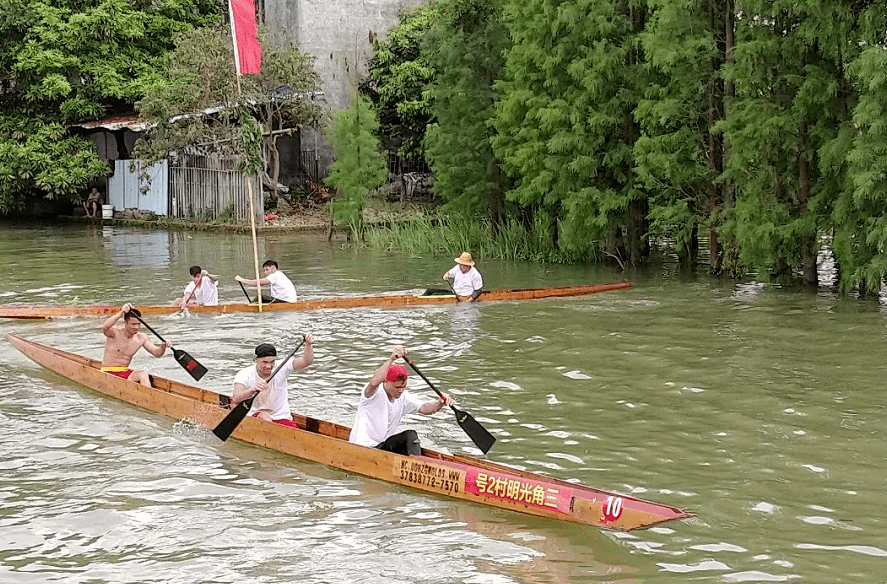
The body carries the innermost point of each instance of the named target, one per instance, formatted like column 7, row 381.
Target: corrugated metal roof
column 122, row 122
column 136, row 124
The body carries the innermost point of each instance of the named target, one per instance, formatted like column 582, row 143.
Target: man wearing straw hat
column 467, row 281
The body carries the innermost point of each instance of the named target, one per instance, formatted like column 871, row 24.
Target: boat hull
column 458, row 476
column 38, row 312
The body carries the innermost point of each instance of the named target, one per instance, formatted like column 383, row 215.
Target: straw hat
column 465, row 259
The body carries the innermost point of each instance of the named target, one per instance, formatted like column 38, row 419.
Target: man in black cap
column 271, row 396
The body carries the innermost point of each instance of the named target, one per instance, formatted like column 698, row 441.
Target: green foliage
column 399, row 74
column 678, row 154
column 564, row 120
column 860, row 222
column 783, row 129
column 439, row 236
column 620, row 120
column 465, row 47
column 201, row 74
column 63, row 61
column 360, row 165
column 250, row 144
column 45, row 161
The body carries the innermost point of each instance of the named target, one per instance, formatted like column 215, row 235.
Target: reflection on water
column 759, row 409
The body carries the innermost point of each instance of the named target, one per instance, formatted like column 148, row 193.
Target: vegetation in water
column 605, row 126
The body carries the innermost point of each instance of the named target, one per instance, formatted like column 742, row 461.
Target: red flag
column 247, row 50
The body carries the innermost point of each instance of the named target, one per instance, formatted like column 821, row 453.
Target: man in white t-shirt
column 377, row 422
column 467, row 281
column 271, row 401
column 202, row 291
column 282, row 289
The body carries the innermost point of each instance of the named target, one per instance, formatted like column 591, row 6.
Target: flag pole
column 249, row 182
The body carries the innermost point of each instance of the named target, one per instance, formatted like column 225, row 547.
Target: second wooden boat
column 33, row 311
column 458, row 476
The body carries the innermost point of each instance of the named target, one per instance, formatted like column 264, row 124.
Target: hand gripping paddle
column 236, row 415
column 195, row 369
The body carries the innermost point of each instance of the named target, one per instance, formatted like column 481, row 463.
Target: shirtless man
column 124, row 342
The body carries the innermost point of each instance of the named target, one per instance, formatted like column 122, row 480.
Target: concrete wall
column 339, row 34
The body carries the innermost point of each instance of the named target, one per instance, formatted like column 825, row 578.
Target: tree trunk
column 636, row 232
column 719, row 96
column 808, row 242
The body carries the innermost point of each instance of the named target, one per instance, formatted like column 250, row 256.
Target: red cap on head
column 397, row 373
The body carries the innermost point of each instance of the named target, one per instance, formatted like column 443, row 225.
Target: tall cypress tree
column 859, row 220
column 791, row 101
column 566, row 129
column 360, row 165
column 465, row 47
column 680, row 156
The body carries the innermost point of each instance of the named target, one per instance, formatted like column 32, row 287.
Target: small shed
column 182, row 186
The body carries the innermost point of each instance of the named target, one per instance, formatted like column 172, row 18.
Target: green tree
column 679, row 155
column 360, row 164
column 565, row 123
column 63, row 61
column 859, row 221
column 201, row 75
column 465, row 47
column 399, row 75
column 792, row 99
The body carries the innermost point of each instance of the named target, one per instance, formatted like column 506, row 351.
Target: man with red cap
column 377, row 422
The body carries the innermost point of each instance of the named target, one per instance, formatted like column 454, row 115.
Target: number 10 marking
column 613, row 508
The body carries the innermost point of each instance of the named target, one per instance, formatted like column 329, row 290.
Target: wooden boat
column 457, row 476
column 31, row 311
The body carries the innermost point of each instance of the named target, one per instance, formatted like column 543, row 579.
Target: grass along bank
column 434, row 234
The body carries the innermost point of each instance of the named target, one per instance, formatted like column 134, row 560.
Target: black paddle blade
column 190, row 364
column 478, row 434
column 233, row 419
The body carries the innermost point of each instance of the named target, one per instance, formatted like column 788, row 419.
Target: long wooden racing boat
column 458, row 476
column 32, row 311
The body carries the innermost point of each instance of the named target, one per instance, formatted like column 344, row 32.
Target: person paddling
column 122, row 343
column 202, row 291
column 467, row 284
column 282, row 289
column 271, row 401
column 377, row 421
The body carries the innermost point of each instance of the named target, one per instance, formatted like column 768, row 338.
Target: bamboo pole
column 252, row 224
column 249, row 184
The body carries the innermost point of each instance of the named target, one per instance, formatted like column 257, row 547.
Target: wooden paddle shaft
column 431, row 385
column 196, row 286
column 162, row 340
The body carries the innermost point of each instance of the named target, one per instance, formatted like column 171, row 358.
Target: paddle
column 195, row 369
column 236, row 415
column 184, row 308
column 478, row 434
column 248, row 299
column 450, row 284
